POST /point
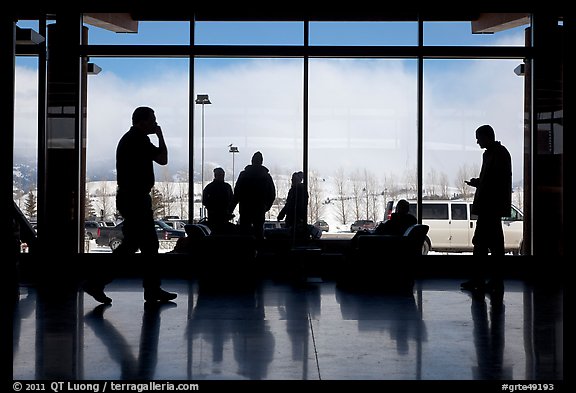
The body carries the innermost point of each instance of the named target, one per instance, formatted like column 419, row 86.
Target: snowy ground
column 91, row 247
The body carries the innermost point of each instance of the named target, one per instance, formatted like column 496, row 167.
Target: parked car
column 452, row 225
column 107, row 223
column 271, row 224
column 175, row 223
column 362, row 225
column 91, row 229
column 322, row 225
column 112, row 236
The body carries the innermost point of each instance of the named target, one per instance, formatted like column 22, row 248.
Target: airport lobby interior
column 276, row 310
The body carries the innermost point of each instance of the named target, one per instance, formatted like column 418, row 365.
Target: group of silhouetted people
column 254, row 194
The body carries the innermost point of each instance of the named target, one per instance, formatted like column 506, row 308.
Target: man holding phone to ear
column 135, row 158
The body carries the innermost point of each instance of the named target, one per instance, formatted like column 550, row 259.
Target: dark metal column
column 60, row 232
column 544, row 157
column 7, row 53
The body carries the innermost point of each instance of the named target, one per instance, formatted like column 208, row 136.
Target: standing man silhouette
column 217, row 196
column 492, row 201
column 135, row 158
column 254, row 193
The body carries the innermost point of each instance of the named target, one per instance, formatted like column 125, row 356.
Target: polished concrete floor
column 282, row 330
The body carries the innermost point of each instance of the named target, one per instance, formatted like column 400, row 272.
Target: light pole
column 202, row 99
column 233, row 150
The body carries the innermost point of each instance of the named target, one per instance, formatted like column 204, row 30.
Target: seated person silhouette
column 399, row 221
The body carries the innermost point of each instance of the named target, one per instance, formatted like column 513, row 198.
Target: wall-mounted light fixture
column 28, row 37
column 93, row 69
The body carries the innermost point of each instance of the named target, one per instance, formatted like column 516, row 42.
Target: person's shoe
column 97, row 313
column 157, row 307
column 98, row 294
column 473, row 285
column 158, row 295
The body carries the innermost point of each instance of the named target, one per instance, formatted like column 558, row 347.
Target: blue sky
column 257, row 103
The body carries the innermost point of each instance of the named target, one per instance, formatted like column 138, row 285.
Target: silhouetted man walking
column 135, row 158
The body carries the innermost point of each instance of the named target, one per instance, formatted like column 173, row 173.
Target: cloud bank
column 362, row 114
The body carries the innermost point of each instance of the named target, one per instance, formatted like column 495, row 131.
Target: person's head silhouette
column 257, row 158
column 402, row 207
column 297, row 178
column 219, row 174
column 485, row 136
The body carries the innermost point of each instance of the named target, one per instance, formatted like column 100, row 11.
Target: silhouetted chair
column 409, row 244
column 382, row 262
column 219, row 258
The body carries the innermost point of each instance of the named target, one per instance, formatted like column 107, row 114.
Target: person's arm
column 162, row 155
column 206, row 195
column 237, row 192
column 287, row 205
column 282, row 213
column 474, row 182
column 271, row 193
column 230, row 198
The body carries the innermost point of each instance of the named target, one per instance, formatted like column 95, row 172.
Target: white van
column 452, row 225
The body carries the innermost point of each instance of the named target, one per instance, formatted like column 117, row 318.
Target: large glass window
column 362, row 113
column 113, row 94
column 255, row 105
column 363, row 132
column 249, row 33
column 459, row 97
column 460, row 33
column 25, row 166
column 363, row 33
column 148, row 33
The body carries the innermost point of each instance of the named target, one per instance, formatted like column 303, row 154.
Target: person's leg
column 149, row 245
column 94, row 287
column 245, row 221
column 97, row 279
column 495, row 284
column 496, row 233
column 480, row 242
column 103, row 275
column 130, row 207
column 258, row 223
column 130, row 233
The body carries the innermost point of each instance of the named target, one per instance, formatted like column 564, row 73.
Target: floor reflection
column 143, row 366
column 289, row 331
column 396, row 314
column 489, row 339
column 298, row 307
column 235, row 315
